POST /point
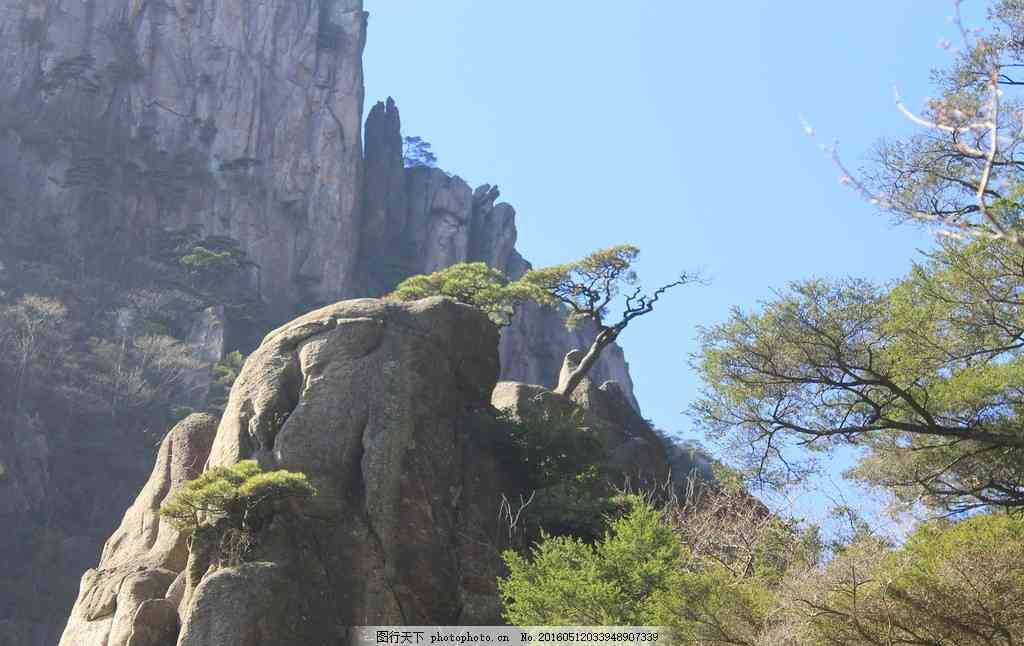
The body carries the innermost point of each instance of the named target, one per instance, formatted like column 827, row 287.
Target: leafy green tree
column 416, row 152
column 207, row 261
column 551, row 446
column 924, row 376
column 639, row 573
column 559, row 460
column 618, row 581
column 202, row 263
column 225, row 372
column 949, row 584
column 472, row 283
column 235, row 501
column 588, row 287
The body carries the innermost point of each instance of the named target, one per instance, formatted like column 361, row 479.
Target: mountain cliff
column 242, row 124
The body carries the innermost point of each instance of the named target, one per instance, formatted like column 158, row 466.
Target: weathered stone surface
column 378, row 403
column 155, row 624
column 244, row 119
column 640, row 455
column 143, row 534
column 144, row 555
column 249, row 605
column 384, row 259
column 374, row 401
column 206, row 336
column 206, row 343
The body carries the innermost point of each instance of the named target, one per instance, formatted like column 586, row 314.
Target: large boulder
column 377, row 402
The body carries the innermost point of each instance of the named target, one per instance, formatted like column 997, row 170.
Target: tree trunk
column 604, row 338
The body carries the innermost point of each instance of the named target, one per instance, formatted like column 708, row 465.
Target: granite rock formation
column 242, row 118
column 382, row 405
column 377, row 403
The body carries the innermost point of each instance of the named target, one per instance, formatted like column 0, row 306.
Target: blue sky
column 670, row 125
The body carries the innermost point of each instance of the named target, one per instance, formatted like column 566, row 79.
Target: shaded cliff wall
column 123, row 117
column 119, row 118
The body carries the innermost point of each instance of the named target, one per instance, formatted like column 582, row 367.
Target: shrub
column 233, row 503
column 577, row 507
column 618, row 581
column 555, row 447
column 560, row 461
column 224, row 372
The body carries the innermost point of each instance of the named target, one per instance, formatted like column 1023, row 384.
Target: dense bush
column 623, row 579
column 710, row 568
column 235, row 502
column 472, row 283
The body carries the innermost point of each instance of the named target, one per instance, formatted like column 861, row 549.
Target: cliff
column 121, row 120
column 121, row 116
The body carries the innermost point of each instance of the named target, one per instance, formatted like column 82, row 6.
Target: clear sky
column 672, row 125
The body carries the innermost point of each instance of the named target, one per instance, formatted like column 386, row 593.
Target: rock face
column 144, row 556
column 377, row 403
column 244, row 119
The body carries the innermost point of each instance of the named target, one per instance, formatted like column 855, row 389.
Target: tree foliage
column 925, row 376
column 588, row 287
column 416, row 152
column 949, row 584
column 657, row 567
column 553, row 447
column 206, row 260
column 618, row 581
column 237, row 493
column 961, row 173
column 235, row 501
column 225, row 372
column 560, row 461
column 472, row 283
